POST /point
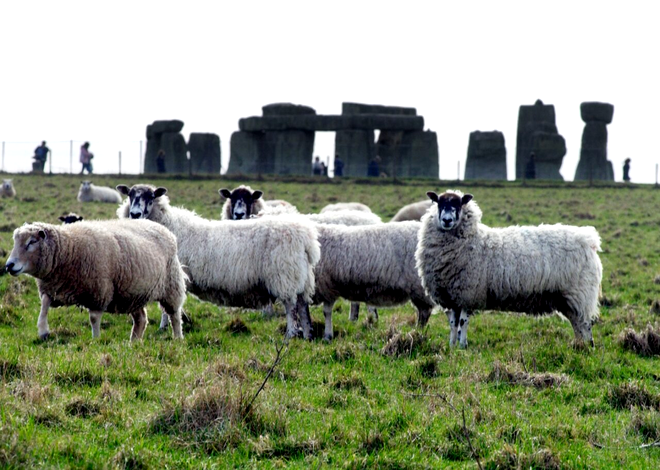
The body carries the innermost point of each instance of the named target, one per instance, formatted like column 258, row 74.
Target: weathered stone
column 532, row 119
column 549, row 150
column 290, row 152
column 593, row 164
column 419, row 156
column 486, row 158
column 160, row 127
column 204, row 153
column 595, row 111
column 359, row 108
column 280, row 109
column 246, row 149
column 176, row 158
column 356, row 148
column 331, row 122
column 388, row 148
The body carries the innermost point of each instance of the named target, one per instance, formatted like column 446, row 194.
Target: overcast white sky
column 102, row 71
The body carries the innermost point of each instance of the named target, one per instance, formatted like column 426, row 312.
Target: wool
column 413, row 211
column 343, row 206
column 7, row 189
column 89, row 192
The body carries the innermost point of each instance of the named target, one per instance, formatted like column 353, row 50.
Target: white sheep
column 91, row 193
column 374, row 264
column 466, row 266
column 413, row 211
column 111, row 266
column 346, row 206
column 242, row 264
column 243, row 202
column 70, row 218
column 8, row 189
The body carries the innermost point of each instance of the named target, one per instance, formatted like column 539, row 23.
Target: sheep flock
column 434, row 253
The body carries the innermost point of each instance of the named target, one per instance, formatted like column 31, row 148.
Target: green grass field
column 520, row 396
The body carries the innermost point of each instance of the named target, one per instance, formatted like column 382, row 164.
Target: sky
column 76, row 71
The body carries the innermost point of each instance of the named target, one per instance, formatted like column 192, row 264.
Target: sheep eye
column 31, row 242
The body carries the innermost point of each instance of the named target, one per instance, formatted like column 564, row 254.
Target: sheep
column 8, row 189
column 374, row 264
column 242, row 264
column 105, row 266
column 465, row 265
column 243, row 202
column 70, row 218
column 91, row 193
column 413, row 211
column 346, row 206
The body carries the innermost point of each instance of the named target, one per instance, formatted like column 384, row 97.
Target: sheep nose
column 238, row 216
column 9, row 266
column 446, row 221
column 135, row 215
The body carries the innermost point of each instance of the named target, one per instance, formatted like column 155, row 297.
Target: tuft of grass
column 10, row 370
column 509, row 459
column 237, row 327
column 343, row 353
column 629, row 395
column 429, row 367
column 222, row 369
column 502, row 374
column 655, row 307
column 352, row 382
column 405, row 344
column 646, row 424
column 127, row 458
column 78, row 378
column 646, row 343
column 82, row 408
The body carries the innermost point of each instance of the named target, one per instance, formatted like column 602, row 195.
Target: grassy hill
column 521, row 396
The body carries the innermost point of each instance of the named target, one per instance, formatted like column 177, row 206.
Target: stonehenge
column 537, row 133
column 486, row 158
column 593, row 164
column 281, row 141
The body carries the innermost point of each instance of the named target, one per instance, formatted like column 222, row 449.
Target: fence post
column 71, row 157
column 656, row 170
column 141, row 168
column 50, row 162
column 458, row 170
column 120, row 162
column 3, row 155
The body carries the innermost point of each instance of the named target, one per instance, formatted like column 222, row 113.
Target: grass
column 381, row 395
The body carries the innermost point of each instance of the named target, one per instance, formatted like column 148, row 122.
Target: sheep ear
column 432, row 196
column 224, row 192
column 256, row 195
column 122, row 188
column 466, row 198
column 160, row 192
column 80, row 218
column 62, row 218
column 42, row 234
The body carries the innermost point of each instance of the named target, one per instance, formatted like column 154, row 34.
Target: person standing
column 160, row 161
column 339, row 166
column 317, row 168
column 86, row 158
column 40, row 156
column 626, row 170
column 374, row 167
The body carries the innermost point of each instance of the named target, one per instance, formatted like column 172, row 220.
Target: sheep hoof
column 44, row 336
column 328, row 338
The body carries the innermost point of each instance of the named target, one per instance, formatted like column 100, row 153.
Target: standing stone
column 246, row 150
column 204, row 153
column 166, row 135
column 531, row 119
column 593, row 164
column 289, row 152
column 549, row 150
column 419, row 155
column 388, row 148
column 286, row 109
column 356, row 148
column 486, row 158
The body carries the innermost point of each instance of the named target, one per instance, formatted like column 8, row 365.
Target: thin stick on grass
column 652, row 444
column 284, row 346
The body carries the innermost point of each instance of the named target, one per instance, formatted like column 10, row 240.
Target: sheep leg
column 139, row 323
column 269, row 310
column 327, row 314
column 290, row 308
column 355, row 311
column 452, row 316
column 462, row 328
column 373, row 313
column 305, row 318
column 582, row 330
column 164, row 321
column 42, row 322
column 173, row 313
column 95, row 321
column 423, row 315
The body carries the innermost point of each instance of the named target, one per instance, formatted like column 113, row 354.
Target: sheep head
column 141, row 199
column 241, row 201
column 31, row 253
column 450, row 204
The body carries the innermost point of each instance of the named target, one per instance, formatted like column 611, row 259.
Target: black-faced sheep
column 8, row 189
column 248, row 263
column 243, row 202
column 105, row 266
column 467, row 266
column 374, row 264
column 70, row 218
column 89, row 192
column 346, row 206
column 413, row 211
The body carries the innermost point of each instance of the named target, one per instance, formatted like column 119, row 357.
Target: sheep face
column 242, row 201
column 7, row 185
column 85, row 186
column 141, row 198
column 29, row 243
column 449, row 209
column 70, row 218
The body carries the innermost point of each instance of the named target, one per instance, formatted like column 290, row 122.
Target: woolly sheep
column 242, row 264
column 346, row 206
column 374, row 264
column 465, row 265
column 70, row 218
column 413, row 211
column 105, row 266
column 243, row 202
column 8, row 189
column 91, row 193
